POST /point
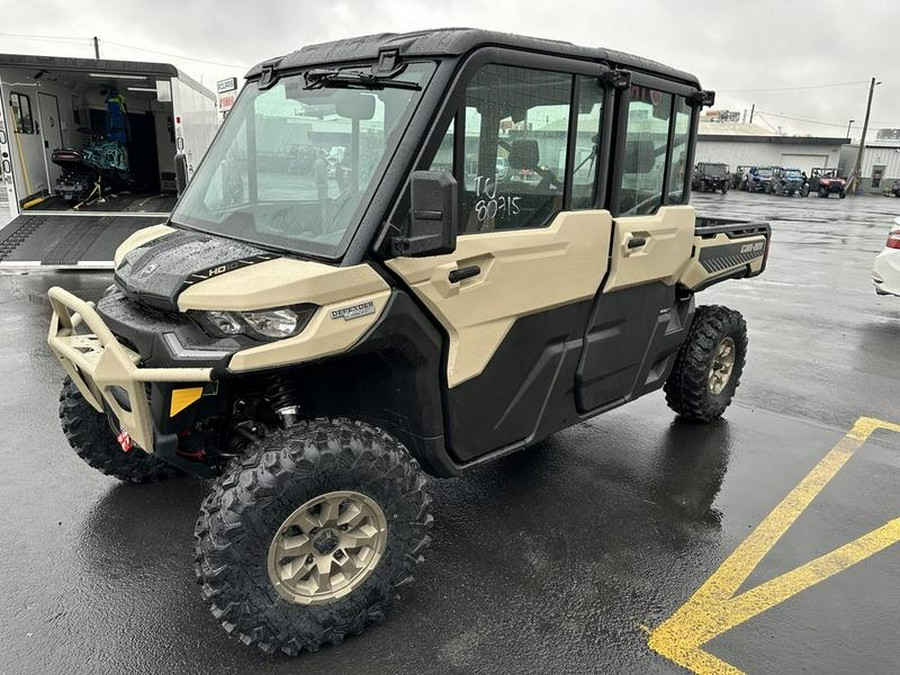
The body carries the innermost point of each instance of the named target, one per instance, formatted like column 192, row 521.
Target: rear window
column 23, row 120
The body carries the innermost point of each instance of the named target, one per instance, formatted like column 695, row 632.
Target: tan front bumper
column 96, row 361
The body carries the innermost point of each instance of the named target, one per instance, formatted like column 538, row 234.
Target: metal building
column 737, row 144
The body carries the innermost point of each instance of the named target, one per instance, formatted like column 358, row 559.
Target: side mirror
column 433, row 216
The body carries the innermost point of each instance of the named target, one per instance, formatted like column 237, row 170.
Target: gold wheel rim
column 327, row 548
column 722, row 366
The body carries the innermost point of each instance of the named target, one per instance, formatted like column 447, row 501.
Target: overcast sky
column 731, row 46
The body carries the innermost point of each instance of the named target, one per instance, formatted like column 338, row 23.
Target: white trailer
column 51, row 103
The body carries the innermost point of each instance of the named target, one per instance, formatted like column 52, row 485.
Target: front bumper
column 107, row 373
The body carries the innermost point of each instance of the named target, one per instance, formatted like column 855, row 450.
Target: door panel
column 651, row 248
column 510, row 328
column 630, row 345
column 522, row 272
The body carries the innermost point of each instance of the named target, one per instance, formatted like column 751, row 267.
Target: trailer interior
column 89, row 155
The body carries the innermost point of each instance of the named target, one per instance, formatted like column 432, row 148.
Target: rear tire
column 262, row 534
column 696, row 388
column 91, row 438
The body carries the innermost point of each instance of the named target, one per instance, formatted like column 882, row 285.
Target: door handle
column 458, row 275
column 636, row 242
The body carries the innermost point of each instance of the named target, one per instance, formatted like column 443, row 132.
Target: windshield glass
column 764, row 172
column 793, row 173
column 714, row 169
column 294, row 165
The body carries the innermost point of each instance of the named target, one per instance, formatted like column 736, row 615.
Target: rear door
column 51, row 134
column 638, row 321
column 515, row 296
column 196, row 122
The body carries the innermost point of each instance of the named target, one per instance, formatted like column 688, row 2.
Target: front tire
column 709, row 364
column 91, row 438
column 283, row 555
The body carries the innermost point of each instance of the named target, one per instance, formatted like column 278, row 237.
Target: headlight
column 276, row 323
column 273, row 323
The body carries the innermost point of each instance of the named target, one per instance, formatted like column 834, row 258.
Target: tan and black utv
column 402, row 255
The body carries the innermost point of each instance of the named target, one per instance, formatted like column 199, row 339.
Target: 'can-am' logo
column 354, row 311
column 148, row 270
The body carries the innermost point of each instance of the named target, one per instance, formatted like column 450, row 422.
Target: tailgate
column 725, row 249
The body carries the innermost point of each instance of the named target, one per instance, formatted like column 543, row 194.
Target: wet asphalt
column 555, row 560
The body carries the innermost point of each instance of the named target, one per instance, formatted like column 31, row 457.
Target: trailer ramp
column 84, row 241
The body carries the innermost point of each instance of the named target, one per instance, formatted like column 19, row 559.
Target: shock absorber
column 282, row 396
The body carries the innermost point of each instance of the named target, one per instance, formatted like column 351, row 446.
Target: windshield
column 294, row 165
column 764, row 172
column 714, row 169
column 792, row 173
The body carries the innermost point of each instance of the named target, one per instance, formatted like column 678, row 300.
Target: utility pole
column 849, row 126
column 96, row 49
column 862, row 140
column 752, row 110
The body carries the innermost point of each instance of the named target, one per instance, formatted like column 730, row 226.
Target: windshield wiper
column 353, row 79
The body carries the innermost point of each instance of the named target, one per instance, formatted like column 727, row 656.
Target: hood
column 156, row 272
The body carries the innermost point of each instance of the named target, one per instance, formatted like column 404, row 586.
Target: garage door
column 804, row 162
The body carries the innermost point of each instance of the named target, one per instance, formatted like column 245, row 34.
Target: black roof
column 106, row 66
column 455, row 42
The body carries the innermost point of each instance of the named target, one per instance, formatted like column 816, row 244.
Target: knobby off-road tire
column 91, row 438
column 251, row 503
column 696, row 389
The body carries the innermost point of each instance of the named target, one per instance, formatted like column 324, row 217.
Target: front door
column 515, row 296
column 51, row 134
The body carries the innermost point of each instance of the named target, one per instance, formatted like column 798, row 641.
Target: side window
column 679, row 151
column 23, row 121
column 646, row 144
column 587, row 142
column 516, row 140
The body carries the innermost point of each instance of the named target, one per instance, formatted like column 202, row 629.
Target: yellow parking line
column 714, row 608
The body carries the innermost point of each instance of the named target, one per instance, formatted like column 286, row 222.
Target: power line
column 801, row 119
column 87, row 40
column 841, row 125
column 175, row 56
column 768, row 123
column 58, row 38
column 812, row 86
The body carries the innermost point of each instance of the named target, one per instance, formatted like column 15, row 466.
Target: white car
column 886, row 269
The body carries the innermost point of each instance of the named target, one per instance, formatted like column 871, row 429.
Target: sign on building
column 227, row 91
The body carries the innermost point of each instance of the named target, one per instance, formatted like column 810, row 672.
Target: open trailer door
column 88, row 150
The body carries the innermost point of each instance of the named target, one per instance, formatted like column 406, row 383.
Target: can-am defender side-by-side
column 709, row 177
column 488, row 240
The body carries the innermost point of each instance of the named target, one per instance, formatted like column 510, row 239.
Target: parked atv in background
column 738, row 178
column 787, row 182
column 759, row 179
column 893, row 190
column 711, row 177
column 826, row 182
